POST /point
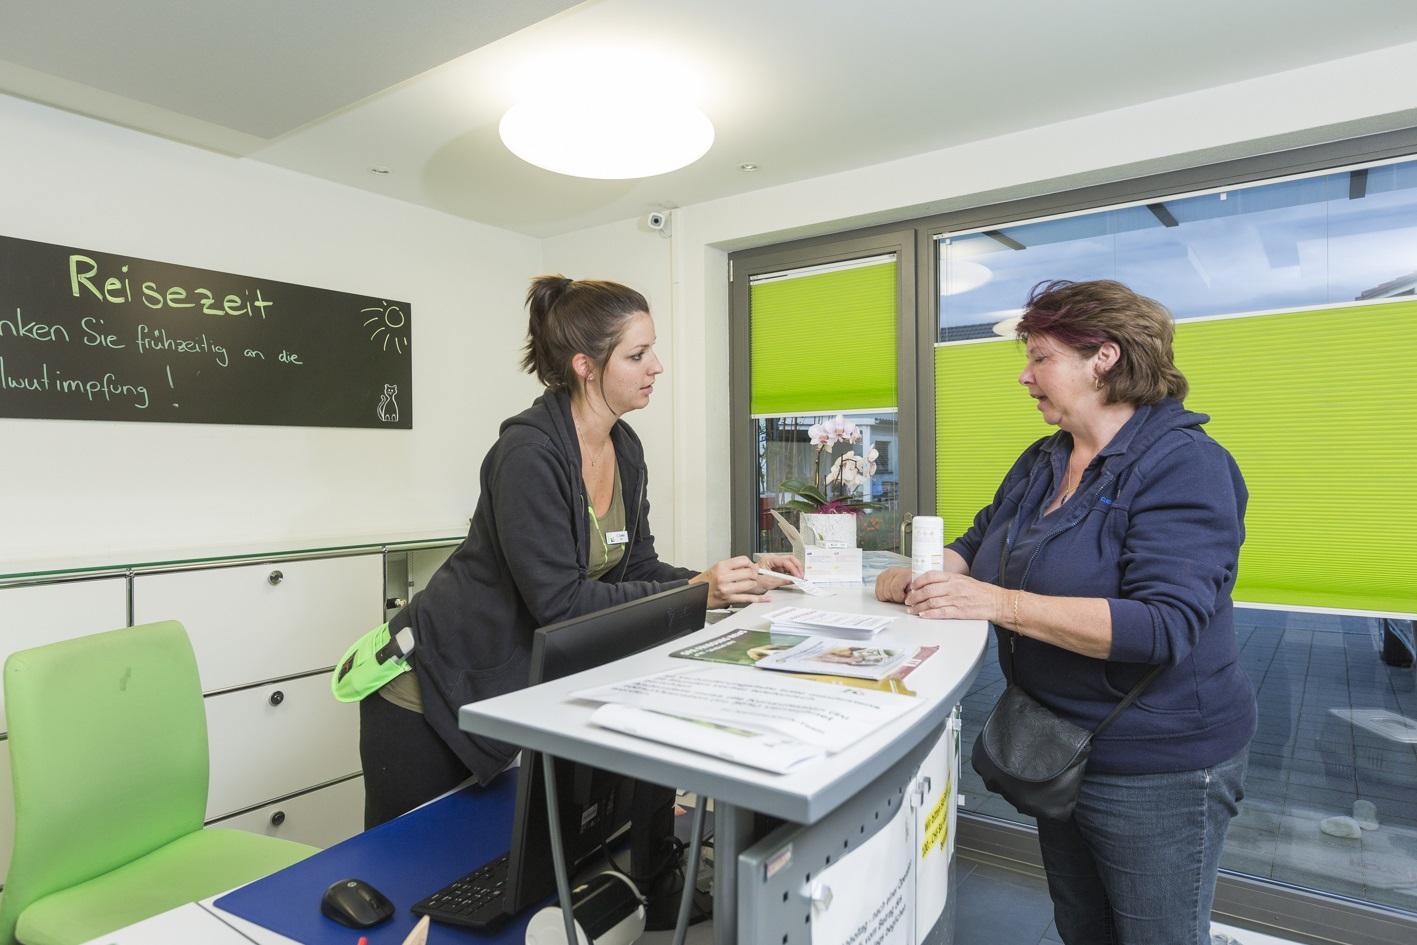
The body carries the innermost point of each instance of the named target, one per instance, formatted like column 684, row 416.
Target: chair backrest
column 108, row 755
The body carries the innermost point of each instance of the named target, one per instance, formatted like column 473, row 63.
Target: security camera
column 657, row 220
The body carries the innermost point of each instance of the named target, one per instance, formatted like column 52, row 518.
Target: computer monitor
column 595, row 806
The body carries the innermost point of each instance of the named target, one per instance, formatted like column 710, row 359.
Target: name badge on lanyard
column 617, row 538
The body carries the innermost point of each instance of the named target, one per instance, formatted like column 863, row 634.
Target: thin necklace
column 1068, row 494
column 594, row 456
column 589, row 455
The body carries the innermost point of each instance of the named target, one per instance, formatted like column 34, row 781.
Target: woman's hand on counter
column 735, row 581
column 939, row 595
column 892, row 584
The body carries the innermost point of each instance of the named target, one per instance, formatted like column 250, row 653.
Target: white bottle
column 927, row 544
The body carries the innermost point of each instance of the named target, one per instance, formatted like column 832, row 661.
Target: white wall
column 1343, row 98
column 632, row 254
column 99, row 490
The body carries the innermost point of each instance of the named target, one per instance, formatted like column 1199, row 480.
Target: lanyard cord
column 599, row 532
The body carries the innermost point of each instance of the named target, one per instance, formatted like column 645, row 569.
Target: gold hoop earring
column 1097, row 382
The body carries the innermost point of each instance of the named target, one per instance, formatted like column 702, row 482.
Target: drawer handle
column 277, row 697
column 278, row 818
column 275, row 577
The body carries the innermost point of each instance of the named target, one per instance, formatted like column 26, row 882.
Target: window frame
column 1264, row 905
column 743, row 266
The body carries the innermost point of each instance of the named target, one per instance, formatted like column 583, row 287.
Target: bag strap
column 1130, row 697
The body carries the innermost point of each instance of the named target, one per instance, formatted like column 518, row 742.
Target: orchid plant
column 837, row 493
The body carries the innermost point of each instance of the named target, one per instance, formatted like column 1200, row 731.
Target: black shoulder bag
column 1032, row 758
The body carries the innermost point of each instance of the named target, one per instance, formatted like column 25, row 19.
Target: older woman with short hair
column 1111, row 547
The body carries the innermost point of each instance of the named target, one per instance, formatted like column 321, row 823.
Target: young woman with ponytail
column 561, row 529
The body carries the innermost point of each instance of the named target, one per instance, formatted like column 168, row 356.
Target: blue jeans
column 1137, row 863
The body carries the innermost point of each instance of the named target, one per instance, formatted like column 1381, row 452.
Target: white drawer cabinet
column 321, row 818
column 256, row 622
column 270, row 741
column 46, row 613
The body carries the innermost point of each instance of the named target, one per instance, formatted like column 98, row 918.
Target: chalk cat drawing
column 389, row 407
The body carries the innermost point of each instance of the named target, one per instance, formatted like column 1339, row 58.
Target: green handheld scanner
column 372, row 661
column 398, row 647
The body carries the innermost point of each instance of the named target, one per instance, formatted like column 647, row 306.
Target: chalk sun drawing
column 389, row 323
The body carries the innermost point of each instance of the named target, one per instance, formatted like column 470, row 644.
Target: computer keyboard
column 476, row 900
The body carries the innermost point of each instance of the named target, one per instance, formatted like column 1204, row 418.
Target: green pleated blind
column 824, row 341
column 1316, row 408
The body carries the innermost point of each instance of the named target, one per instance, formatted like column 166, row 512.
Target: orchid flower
column 844, row 430
column 838, row 492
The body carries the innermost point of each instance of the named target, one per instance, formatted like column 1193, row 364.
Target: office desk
column 545, row 719
column 186, row 925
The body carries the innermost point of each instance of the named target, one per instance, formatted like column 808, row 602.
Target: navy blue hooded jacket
column 1155, row 529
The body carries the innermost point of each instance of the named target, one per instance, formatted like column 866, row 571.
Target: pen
column 801, row 584
column 419, row 935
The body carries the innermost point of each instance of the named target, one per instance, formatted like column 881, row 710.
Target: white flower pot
column 828, row 529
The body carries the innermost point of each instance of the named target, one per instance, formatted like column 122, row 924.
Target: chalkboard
column 86, row 335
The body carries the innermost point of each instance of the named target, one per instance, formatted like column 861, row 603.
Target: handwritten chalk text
column 32, row 330
column 107, row 388
column 117, row 290
column 157, row 339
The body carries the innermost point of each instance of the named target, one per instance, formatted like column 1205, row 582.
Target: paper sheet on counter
column 766, row 751
column 830, row 717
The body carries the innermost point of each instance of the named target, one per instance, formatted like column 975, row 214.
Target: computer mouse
column 355, row 903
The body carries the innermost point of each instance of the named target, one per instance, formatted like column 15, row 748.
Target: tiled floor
column 1001, row 907
column 1314, row 675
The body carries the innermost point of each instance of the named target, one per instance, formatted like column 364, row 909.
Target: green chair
column 108, row 754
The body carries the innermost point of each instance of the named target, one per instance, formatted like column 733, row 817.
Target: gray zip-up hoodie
column 523, row 566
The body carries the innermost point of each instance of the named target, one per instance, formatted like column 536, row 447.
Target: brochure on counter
column 732, row 703
column 753, row 647
column 828, row 655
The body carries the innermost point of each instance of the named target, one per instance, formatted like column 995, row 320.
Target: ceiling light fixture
column 609, row 114
column 1008, row 327
column 748, row 166
column 608, row 137
column 963, row 275
column 379, row 169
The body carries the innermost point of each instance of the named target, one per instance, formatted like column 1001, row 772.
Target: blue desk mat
column 405, row 859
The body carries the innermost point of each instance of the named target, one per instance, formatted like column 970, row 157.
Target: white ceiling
column 800, row 87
